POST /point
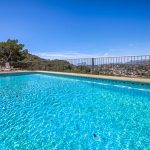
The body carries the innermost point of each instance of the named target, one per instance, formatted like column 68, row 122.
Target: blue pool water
column 55, row 112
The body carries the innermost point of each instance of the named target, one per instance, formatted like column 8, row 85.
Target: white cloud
column 68, row 55
column 74, row 54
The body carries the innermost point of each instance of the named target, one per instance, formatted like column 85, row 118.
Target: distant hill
column 31, row 58
column 33, row 62
column 138, row 61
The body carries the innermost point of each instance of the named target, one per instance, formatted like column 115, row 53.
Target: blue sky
column 78, row 28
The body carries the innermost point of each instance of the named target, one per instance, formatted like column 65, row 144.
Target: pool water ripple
column 39, row 111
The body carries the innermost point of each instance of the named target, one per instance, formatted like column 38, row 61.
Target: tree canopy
column 12, row 51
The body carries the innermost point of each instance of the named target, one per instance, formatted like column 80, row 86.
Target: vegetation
column 13, row 52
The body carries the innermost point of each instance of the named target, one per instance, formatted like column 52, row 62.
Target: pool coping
column 140, row 80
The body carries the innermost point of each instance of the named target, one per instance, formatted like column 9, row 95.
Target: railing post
column 92, row 70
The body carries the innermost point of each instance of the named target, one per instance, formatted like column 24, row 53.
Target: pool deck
column 142, row 80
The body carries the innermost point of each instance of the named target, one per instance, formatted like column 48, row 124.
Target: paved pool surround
column 140, row 80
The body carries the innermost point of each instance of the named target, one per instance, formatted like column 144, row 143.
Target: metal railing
column 110, row 60
column 131, row 66
column 121, row 66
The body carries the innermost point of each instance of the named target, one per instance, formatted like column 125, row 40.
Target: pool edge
column 140, row 80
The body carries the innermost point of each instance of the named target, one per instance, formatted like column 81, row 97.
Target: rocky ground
column 128, row 70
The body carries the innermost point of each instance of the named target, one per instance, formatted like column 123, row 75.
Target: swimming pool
column 47, row 111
